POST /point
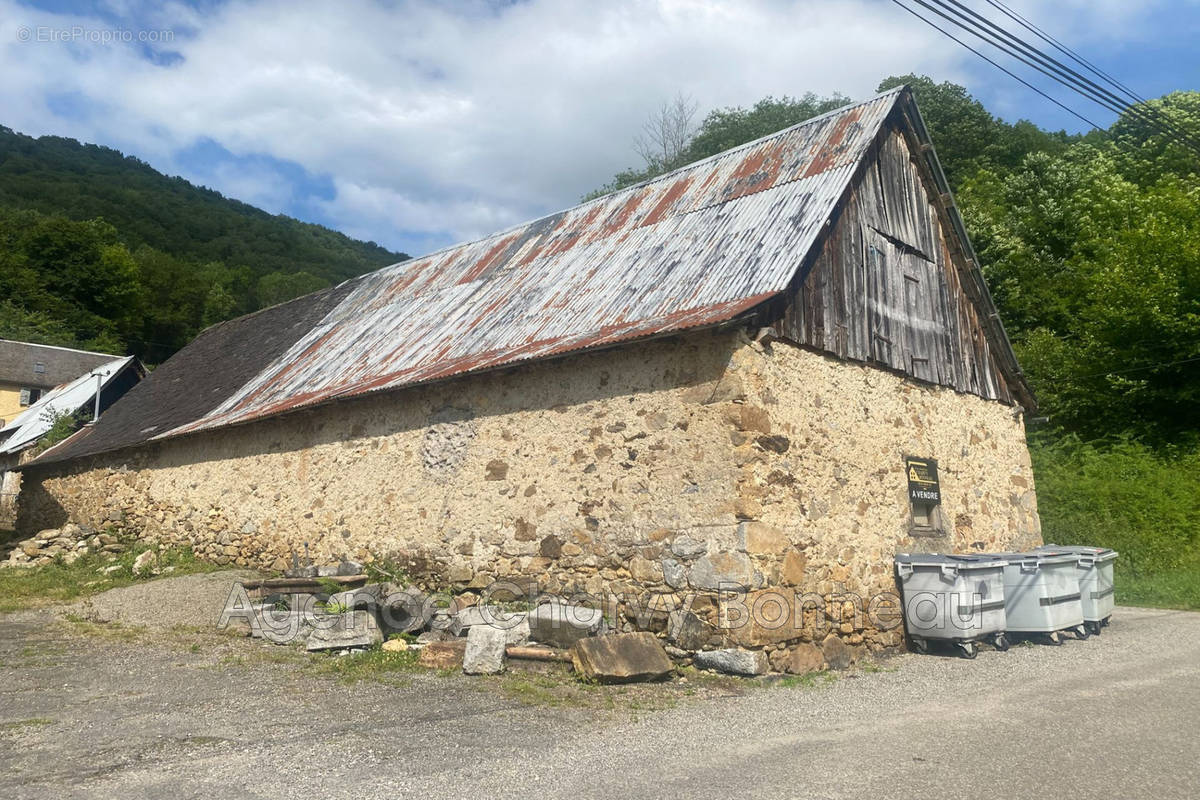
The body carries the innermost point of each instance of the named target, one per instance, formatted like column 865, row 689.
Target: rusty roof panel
column 695, row 247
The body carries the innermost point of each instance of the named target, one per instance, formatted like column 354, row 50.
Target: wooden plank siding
column 884, row 287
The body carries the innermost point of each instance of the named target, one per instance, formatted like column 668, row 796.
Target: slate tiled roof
column 199, row 377
column 19, row 364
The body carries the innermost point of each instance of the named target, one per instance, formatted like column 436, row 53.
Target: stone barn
column 762, row 374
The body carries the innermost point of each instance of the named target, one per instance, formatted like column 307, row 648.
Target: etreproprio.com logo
column 81, row 34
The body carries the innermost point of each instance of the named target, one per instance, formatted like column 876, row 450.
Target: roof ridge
column 747, row 145
column 649, row 181
column 110, row 356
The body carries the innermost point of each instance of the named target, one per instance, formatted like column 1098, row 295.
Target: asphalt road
column 1111, row 717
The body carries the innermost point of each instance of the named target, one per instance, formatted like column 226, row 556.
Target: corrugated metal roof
column 696, row 247
column 32, row 423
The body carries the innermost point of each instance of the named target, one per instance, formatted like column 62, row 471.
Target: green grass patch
column 1171, row 589
column 375, row 664
column 107, row 630
column 60, row 582
column 540, row 690
column 809, row 680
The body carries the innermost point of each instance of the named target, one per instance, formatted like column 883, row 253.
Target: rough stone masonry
column 656, row 473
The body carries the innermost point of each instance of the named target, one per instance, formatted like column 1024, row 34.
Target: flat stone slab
column 802, row 658
column 838, row 654
column 282, row 627
column 485, row 650
column 733, row 661
column 517, row 634
column 273, row 586
column 472, row 616
column 621, row 658
column 687, row 631
column 561, row 625
column 353, row 629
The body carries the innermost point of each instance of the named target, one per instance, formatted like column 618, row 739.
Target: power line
column 1048, row 66
column 964, row 21
column 1067, row 51
column 998, row 66
column 1062, row 48
column 1062, row 71
column 1059, row 71
column 1126, row 371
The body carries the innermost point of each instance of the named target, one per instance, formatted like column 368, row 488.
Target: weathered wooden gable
column 884, row 288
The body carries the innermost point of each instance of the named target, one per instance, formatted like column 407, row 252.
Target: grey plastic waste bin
column 1042, row 595
column 1094, row 567
column 955, row 599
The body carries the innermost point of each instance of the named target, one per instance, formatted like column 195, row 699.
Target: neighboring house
column 772, row 369
column 28, row 371
column 108, row 380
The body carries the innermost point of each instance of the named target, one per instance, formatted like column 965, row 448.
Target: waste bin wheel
column 1054, row 638
column 1104, row 622
column 969, row 649
column 1094, row 627
column 1000, row 642
column 1081, row 631
column 920, row 645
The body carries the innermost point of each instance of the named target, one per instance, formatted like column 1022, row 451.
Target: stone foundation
column 657, row 472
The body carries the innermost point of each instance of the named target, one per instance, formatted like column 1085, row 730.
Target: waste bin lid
column 1099, row 553
column 983, row 558
column 1040, row 556
column 962, row 561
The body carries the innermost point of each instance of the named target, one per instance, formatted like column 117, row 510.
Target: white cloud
column 440, row 122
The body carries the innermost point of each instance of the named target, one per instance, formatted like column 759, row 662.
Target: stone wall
column 656, row 470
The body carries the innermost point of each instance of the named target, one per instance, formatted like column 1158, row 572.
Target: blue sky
column 418, row 123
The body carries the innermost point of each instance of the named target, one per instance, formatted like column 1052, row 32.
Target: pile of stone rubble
column 69, row 543
column 478, row 639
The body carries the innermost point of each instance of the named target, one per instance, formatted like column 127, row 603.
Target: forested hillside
column 100, row 250
column 1091, row 246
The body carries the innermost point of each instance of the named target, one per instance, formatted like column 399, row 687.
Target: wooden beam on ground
column 536, row 653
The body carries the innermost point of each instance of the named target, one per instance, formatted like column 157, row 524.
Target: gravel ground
column 1113, row 716
column 188, row 601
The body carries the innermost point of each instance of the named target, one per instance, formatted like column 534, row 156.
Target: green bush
column 1124, row 495
column 62, row 426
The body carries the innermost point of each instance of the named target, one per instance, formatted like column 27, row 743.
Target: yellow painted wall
column 10, row 401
